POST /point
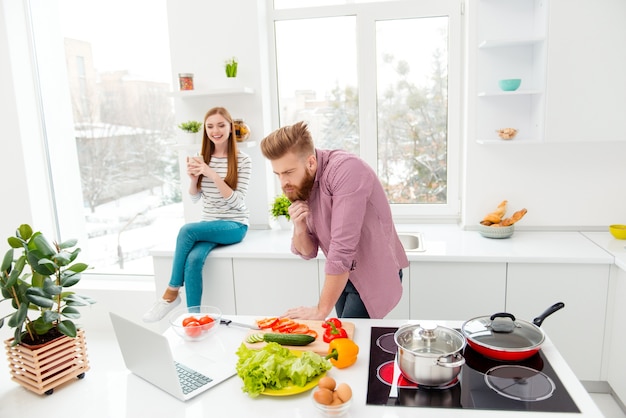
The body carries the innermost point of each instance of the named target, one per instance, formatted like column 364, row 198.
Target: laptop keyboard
column 190, row 380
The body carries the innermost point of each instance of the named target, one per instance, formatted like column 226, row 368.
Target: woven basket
column 496, row 231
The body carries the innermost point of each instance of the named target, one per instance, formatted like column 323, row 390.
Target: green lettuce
column 276, row 367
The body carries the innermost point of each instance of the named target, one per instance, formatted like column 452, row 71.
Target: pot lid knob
column 428, row 331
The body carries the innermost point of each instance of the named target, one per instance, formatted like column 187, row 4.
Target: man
column 339, row 205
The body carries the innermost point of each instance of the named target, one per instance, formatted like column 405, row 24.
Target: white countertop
column 442, row 243
column 614, row 246
column 109, row 390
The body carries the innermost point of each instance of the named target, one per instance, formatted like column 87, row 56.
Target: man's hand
column 298, row 212
column 305, row 312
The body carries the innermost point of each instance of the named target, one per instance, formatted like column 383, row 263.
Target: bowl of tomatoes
column 195, row 323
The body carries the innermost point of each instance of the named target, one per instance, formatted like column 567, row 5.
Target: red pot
column 503, row 337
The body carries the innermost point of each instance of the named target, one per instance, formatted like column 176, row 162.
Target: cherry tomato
column 206, row 322
column 193, row 329
column 267, row 322
column 188, row 320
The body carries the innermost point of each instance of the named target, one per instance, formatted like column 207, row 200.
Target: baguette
column 514, row 218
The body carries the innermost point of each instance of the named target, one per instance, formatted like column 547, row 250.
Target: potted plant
column 47, row 348
column 190, row 129
column 231, row 67
column 280, row 211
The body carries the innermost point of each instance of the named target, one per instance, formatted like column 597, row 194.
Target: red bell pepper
column 332, row 332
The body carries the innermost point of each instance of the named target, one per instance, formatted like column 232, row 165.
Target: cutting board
column 318, row 346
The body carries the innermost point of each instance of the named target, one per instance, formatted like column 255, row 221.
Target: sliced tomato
column 300, row 329
column 283, row 322
column 287, row 327
column 267, row 322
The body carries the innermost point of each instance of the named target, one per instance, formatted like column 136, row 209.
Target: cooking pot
column 501, row 336
column 429, row 355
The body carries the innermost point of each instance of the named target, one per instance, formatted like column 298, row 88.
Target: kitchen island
column 109, row 390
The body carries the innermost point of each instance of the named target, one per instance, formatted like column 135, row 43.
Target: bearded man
column 338, row 205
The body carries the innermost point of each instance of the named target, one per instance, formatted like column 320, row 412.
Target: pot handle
column 552, row 309
column 460, row 360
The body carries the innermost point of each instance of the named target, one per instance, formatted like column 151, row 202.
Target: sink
column 412, row 241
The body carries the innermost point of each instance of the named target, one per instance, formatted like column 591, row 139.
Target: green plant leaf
column 69, row 279
column 15, row 242
column 50, row 317
column 7, row 260
column 68, row 328
column 62, row 259
column 50, row 288
column 78, row 267
column 68, row 244
column 24, row 231
column 40, row 263
column 71, row 312
column 76, row 300
column 40, row 243
column 19, row 316
column 37, row 296
column 41, row 327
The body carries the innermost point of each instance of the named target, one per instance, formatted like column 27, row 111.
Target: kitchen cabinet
column 456, row 291
column 508, row 40
column 217, row 278
column 577, row 330
column 274, row 285
column 616, row 359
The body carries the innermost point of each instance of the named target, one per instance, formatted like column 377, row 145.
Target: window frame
column 366, row 16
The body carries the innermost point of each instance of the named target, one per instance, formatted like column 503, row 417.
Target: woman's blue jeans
column 194, row 243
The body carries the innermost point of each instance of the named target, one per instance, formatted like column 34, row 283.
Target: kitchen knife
column 229, row 322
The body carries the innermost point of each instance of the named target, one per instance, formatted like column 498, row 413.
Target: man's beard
column 303, row 190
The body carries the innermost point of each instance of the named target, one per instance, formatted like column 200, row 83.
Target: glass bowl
column 207, row 320
column 331, row 410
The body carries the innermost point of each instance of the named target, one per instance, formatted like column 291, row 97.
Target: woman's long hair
column 208, row 147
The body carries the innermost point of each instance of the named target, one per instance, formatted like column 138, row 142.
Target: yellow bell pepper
column 342, row 352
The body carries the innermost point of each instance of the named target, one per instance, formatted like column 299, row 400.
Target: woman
column 220, row 179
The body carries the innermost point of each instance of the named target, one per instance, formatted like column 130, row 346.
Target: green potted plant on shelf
column 231, row 67
column 192, row 126
column 36, row 283
column 190, row 132
column 280, row 211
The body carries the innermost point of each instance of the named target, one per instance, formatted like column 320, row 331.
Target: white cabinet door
column 456, row 291
column 271, row 286
column 617, row 360
column 217, row 282
column 577, row 330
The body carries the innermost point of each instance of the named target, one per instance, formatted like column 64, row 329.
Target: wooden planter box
column 44, row 368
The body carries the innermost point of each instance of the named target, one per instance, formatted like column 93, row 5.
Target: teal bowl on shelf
column 510, row 84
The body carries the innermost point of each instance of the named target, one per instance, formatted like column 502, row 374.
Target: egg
column 344, row 392
column 327, row 382
column 323, row 396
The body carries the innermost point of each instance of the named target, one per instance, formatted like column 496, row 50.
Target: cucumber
column 282, row 339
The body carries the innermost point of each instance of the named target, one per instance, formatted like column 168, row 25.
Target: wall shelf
column 506, row 43
column 508, row 93
column 212, row 92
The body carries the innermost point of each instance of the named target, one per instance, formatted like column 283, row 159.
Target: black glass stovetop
column 482, row 384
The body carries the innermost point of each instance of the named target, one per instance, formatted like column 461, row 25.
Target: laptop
column 184, row 373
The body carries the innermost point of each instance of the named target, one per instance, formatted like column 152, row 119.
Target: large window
column 104, row 72
column 381, row 80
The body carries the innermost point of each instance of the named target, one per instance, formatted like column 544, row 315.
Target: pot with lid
column 428, row 354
